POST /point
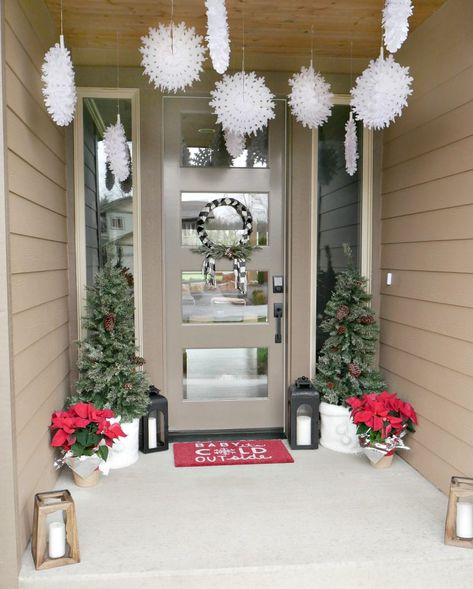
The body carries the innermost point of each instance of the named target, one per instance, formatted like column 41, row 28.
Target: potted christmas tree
column 345, row 364
column 110, row 372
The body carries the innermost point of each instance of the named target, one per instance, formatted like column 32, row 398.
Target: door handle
column 278, row 312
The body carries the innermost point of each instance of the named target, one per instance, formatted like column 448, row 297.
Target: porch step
column 328, row 520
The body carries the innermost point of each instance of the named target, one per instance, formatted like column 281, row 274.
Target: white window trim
column 79, row 200
column 366, row 219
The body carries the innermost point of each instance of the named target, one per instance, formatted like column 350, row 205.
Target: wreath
column 238, row 252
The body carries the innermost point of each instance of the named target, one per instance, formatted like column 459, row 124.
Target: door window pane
column 203, row 144
column 339, row 208
column 225, row 374
column 224, row 304
column 224, row 224
column 108, row 202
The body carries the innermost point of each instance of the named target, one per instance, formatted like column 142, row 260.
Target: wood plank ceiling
column 272, row 27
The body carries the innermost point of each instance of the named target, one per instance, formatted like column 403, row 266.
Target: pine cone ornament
column 342, row 312
column 334, row 349
column 109, row 322
column 341, row 329
column 128, row 386
column 138, row 361
column 128, row 276
column 354, row 370
column 366, row 319
column 330, row 385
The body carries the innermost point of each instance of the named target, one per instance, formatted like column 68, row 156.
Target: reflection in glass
column 203, row 145
column 225, row 374
column 224, row 224
column 108, row 202
column 339, row 208
column 224, row 304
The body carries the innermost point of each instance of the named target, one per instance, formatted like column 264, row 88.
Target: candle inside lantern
column 304, row 427
column 152, row 432
column 57, row 539
column 464, row 523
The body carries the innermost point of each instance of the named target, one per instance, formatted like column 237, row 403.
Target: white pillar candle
column 152, row 432
column 464, row 522
column 304, row 433
column 57, row 539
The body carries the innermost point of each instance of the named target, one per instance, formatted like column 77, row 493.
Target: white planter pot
column 337, row 431
column 125, row 450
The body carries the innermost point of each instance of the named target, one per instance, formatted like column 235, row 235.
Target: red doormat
column 226, row 453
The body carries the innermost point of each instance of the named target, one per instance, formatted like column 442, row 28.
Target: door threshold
column 227, row 434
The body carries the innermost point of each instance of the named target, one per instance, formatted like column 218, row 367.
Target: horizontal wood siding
column 427, row 242
column 38, row 247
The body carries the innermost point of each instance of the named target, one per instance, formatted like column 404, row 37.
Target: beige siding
column 427, row 242
column 38, row 251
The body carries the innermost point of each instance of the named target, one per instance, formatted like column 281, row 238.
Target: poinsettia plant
column 382, row 420
column 84, row 430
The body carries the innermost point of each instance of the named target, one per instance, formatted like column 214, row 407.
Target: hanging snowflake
column 310, row 98
column 381, row 92
column 396, row 15
column 118, row 156
column 235, row 143
column 59, row 90
column 243, row 103
column 351, row 146
column 172, row 56
column 217, row 34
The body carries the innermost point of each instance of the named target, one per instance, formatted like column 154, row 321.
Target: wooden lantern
column 45, row 555
column 459, row 522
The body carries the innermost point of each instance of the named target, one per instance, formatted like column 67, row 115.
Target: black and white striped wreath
column 238, row 252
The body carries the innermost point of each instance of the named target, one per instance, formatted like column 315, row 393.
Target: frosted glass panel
column 224, row 304
column 225, row 374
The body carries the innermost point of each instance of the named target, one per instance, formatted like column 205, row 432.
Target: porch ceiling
column 272, row 26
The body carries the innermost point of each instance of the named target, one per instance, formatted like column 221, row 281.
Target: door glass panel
column 203, row 144
column 224, row 304
column 108, row 202
column 339, row 208
column 225, row 374
column 224, row 224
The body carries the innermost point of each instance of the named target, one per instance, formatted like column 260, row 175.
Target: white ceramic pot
column 337, row 432
column 125, row 450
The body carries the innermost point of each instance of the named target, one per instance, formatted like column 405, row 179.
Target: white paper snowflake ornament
column 217, row 35
column 243, row 103
column 381, row 92
column 59, row 89
column 118, row 156
column 235, row 143
column 351, row 146
column 310, row 98
column 173, row 56
column 396, row 15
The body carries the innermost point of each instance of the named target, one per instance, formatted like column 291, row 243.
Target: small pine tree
column 109, row 373
column 345, row 365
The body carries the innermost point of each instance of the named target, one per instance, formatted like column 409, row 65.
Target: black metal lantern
column 154, row 425
column 302, row 427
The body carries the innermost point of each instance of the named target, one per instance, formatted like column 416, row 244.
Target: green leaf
column 103, row 452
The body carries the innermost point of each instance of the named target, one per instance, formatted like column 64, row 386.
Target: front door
column 225, row 352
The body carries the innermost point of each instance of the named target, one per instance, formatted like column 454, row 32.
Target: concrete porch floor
column 328, row 520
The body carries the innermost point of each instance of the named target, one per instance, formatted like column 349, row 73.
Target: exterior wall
column 38, row 251
column 427, row 242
